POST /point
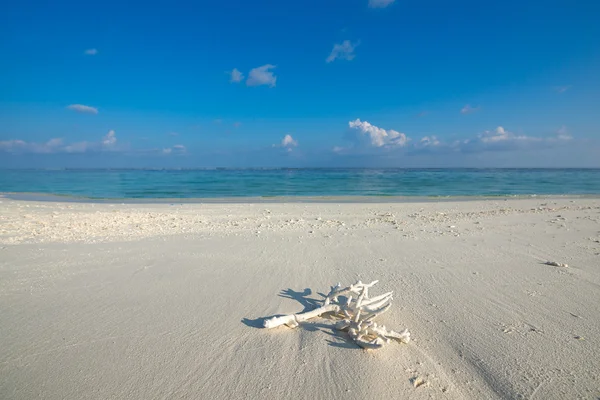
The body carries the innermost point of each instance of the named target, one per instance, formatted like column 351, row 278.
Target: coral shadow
column 254, row 323
column 345, row 344
column 301, row 297
column 338, row 339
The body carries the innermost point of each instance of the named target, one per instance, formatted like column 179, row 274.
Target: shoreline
column 350, row 199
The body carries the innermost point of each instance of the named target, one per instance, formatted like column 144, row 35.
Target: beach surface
column 166, row 301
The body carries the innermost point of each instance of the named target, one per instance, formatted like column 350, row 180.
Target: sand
column 161, row 301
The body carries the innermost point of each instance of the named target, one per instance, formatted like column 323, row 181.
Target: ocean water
column 219, row 183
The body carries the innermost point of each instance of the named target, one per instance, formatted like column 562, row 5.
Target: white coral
column 354, row 316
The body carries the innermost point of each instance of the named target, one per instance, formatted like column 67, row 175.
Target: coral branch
column 293, row 319
column 354, row 316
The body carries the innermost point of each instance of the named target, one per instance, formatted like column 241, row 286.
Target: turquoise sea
column 222, row 183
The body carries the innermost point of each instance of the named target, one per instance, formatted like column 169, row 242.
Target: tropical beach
column 366, row 199
column 112, row 300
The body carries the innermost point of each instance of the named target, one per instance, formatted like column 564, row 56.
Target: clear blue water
column 155, row 184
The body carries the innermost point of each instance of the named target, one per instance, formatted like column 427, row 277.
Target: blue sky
column 375, row 83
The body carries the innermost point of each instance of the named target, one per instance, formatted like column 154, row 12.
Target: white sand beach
column 166, row 301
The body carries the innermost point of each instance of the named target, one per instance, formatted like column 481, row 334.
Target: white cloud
column 79, row 147
column 236, row 76
column 380, row 3
column 428, row 142
column 110, row 139
column 563, row 133
column 51, row 146
column 57, row 145
column 502, row 139
column 20, row 146
column 467, row 109
column 11, row 144
column 262, row 76
column 499, row 139
column 342, row 51
column 176, row 149
column 501, row 135
column 562, row 89
column 53, row 143
column 80, row 108
column 497, row 135
column 90, row 52
column 379, row 137
column 289, row 141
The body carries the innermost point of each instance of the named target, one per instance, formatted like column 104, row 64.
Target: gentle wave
column 293, row 182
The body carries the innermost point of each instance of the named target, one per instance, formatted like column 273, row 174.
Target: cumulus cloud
column 380, row 3
column 496, row 135
column 80, row 108
column 379, row 137
column 236, row 76
column 502, row 139
column 289, row 141
column 342, row 51
column 90, row 52
column 176, row 149
column 110, row 139
column 379, row 140
column 262, row 76
column 467, row 109
column 428, row 142
column 57, row 145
